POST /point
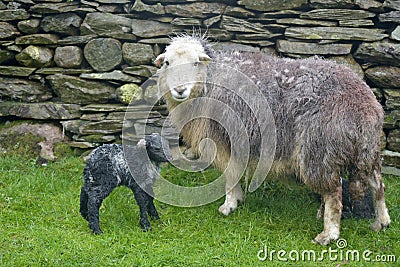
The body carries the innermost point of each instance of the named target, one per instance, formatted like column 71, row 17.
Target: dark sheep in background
column 108, row 168
column 328, row 121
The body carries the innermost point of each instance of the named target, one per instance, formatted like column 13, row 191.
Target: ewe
column 328, row 122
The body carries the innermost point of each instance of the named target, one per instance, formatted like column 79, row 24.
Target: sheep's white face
column 185, row 67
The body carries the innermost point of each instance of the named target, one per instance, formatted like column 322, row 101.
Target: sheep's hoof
column 97, row 232
column 225, row 209
column 325, row 238
column 154, row 217
column 377, row 226
column 147, row 228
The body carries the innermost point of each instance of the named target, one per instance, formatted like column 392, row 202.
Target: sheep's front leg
column 332, row 215
column 142, row 200
column 233, row 195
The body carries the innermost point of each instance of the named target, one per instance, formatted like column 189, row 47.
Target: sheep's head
column 184, row 67
column 157, row 147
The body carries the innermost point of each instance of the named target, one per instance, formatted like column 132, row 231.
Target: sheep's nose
column 180, row 90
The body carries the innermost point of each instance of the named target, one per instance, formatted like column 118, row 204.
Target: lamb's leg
column 382, row 218
column 94, row 202
column 84, row 204
column 332, row 215
column 142, row 200
column 151, row 209
column 231, row 199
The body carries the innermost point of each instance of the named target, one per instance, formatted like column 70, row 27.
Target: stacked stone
column 79, row 63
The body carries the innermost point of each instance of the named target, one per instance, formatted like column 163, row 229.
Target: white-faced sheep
column 328, row 121
column 108, row 168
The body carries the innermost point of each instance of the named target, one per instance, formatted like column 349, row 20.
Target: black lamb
column 108, row 167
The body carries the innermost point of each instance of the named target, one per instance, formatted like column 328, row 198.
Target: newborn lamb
column 107, row 168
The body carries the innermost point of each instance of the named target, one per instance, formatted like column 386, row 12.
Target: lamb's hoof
column 325, row 238
column 147, row 228
column 225, row 209
column 97, row 232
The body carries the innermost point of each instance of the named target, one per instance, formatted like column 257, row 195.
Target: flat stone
column 30, row 26
column 394, row 4
column 392, row 97
column 395, row 35
column 43, row 110
column 240, row 25
column 238, row 12
column 338, row 14
column 335, row 33
column 256, row 36
column 16, row 71
column 35, row 56
column 332, row 3
column 66, row 23
column 285, row 46
column 107, row 24
column 150, row 28
column 101, row 127
column 356, row 23
column 195, row 10
column 93, row 116
column 235, row 47
column 255, row 42
column 391, row 158
column 139, row 6
column 114, row 108
column 113, row 1
column 23, row 89
column 103, row 54
column 306, row 22
column 74, row 40
column 72, row 125
column 369, row 4
column 390, row 170
column 45, row 39
column 384, row 76
column 115, row 75
column 96, row 138
column 136, row 54
column 391, row 119
column 219, row 34
column 211, row 21
column 141, row 70
column 56, row 8
column 128, row 93
column 57, row 70
column 393, row 140
column 17, row 14
column 114, row 9
column 68, row 56
column 5, row 56
column 272, row 5
column 162, row 40
column 393, row 16
column 384, row 52
column 7, row 30
column 82, row 145
column 186, row 22
column 71, row 89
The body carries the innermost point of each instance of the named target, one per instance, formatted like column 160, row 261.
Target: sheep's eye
column 196, row 64
column 166, row 63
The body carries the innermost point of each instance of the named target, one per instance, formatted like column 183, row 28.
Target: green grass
column 40, row 224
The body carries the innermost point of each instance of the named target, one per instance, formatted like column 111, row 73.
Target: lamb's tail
column 84, row 200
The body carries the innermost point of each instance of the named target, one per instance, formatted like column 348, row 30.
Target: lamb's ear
column 203, row 57
column 159, row 60
column 142, row 143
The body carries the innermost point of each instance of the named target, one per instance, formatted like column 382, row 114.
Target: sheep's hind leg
column 332, row 215
column 94, row 203
column 83, row 204
column 382, row 218
column 231, row 200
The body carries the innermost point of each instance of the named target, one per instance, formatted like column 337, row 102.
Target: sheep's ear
column 142, row 143
column 203, row 57
column 159, row 60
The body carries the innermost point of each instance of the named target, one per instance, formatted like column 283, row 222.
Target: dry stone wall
column 78, row 63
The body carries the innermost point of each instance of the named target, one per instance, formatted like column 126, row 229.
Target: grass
column 40, row 225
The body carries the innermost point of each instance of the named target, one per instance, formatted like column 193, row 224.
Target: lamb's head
column 184, row 68
column 157, row 148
